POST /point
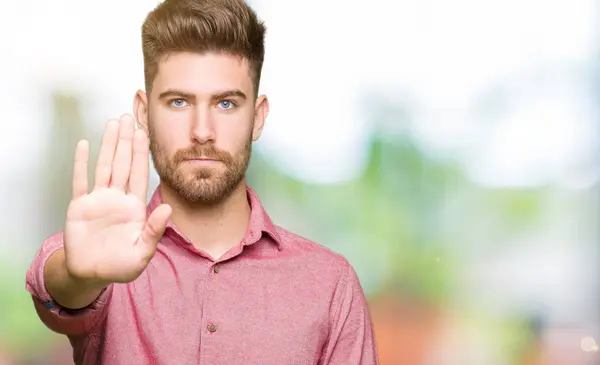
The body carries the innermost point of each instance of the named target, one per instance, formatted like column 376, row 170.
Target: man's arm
column 351, row 340
column 65, row 305
column 95, row 253
column 67, row 291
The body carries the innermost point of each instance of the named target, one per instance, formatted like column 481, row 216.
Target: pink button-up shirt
column 276, row 298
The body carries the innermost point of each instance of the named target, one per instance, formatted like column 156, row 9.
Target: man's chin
column 210, row 171
column 208, row 190
column 200, row 185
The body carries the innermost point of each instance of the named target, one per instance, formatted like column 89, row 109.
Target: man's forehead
column 207, row 68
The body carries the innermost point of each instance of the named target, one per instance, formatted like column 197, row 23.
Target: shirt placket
column 209, row 325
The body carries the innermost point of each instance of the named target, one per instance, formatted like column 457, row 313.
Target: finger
column 107, row 154
column 138, row 179
column 154, row 229
column 121, row 165
column 80, row 169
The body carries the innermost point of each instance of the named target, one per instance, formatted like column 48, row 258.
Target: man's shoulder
column 310, row 252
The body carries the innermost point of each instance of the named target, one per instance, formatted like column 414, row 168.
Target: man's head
column 201, row 109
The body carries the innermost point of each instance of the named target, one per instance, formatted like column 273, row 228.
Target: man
column 200, row 275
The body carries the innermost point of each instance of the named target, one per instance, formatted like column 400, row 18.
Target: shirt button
column 212, row 327
column 216, row 269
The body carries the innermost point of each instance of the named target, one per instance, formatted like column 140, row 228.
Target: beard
column 203, row 185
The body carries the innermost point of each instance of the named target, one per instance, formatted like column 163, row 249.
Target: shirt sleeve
column 62, row 320
column 351, row 340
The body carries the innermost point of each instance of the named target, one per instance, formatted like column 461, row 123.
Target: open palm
column 108, row 237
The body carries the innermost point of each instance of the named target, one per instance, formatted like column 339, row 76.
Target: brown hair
column 224, row 26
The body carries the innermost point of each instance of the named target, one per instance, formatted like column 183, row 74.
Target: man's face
column 202, row 116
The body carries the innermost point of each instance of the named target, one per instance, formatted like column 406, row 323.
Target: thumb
column 155, row 227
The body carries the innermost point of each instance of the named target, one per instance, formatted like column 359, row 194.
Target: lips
column 201, row 159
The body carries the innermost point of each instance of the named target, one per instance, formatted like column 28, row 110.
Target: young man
column 200, row 275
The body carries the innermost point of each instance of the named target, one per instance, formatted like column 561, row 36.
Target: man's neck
column 215, row 228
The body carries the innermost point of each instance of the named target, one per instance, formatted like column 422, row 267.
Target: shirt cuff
column 56, row 317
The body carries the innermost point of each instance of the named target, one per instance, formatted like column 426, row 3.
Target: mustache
column 209, row 152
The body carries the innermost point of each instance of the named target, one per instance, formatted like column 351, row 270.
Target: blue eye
column 179, row 103
column 226, row 104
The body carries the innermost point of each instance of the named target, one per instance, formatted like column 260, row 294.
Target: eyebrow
column 176, row 93
column 229, row 94
column 235, row 93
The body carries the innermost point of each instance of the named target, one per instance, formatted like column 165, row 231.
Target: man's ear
column 140, row 110
column 261, row 110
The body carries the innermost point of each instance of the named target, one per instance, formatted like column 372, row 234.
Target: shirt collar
column 260, row 222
